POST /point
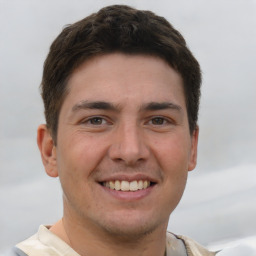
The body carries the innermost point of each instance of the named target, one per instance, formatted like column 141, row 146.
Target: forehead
column 119, row 77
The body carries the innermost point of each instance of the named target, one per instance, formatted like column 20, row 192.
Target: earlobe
column 193, row 153
column 48, row 150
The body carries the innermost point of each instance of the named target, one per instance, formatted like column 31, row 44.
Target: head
column 114, row 29
column 121, row 92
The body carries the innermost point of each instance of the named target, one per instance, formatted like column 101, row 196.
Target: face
column 123, row 144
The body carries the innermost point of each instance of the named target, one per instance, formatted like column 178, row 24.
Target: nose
column 129, row 145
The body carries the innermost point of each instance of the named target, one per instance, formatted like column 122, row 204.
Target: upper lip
column 128, row 178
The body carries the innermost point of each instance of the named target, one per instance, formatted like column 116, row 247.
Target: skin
column 139, row 130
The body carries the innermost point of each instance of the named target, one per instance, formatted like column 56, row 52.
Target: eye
column 96, row 121
column 158, row 121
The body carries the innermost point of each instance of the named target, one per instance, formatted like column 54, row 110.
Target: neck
column 89, row 243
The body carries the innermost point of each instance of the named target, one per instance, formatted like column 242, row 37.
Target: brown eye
column 96, row 121
column 158, row 121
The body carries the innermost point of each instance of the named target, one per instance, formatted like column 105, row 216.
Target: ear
column 193, row 152
column 48, row 150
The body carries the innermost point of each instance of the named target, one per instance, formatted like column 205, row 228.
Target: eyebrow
column 94, row 105
column 152, row 106
column 160, row 106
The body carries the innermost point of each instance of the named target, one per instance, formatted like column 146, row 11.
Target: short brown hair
column 117, row 28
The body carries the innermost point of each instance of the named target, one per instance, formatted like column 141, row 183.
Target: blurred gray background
column 220, row 199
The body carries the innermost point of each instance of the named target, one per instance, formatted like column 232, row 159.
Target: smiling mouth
column 127, row 186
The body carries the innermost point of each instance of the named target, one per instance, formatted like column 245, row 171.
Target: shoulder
column 33, row 245
column 44, row 242
column 193, row 248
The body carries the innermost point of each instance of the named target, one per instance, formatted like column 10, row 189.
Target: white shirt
column 45, row 243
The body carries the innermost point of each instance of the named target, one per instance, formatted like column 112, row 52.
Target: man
column 121, row 94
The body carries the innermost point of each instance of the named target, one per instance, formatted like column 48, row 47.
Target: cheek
column 79, row 156
column 172, row 154
column 76, row 161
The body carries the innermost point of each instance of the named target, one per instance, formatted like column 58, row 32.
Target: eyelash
column 91, row 119
column 104, row 121
column 164, row 120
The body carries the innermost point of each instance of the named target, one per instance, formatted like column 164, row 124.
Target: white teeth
column 134, row 185
column 117, row 185
column 145, row 184
column 126, row 185
column 140, row 184
column 111, row 184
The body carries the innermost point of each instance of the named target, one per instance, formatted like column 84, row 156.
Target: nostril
column 118, row 159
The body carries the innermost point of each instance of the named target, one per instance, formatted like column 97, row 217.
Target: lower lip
column 129, row 195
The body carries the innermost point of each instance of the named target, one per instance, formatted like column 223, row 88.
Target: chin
column 129, row 233
column 130, row 226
